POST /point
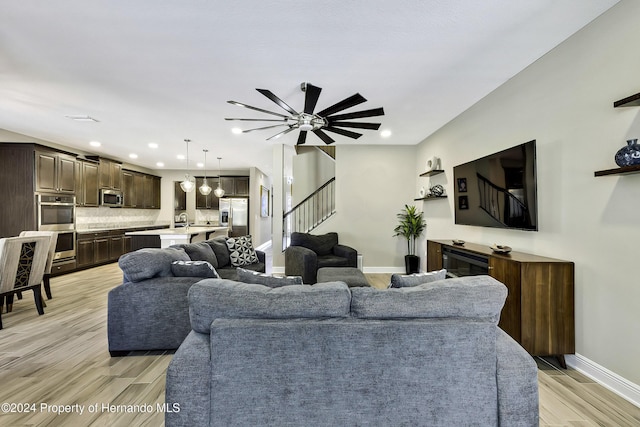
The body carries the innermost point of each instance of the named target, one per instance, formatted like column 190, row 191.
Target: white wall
column 312, row 168
column 260, row 227
column 565, row 102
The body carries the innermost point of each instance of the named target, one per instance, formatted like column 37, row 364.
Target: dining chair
column 53, row 235
column 22, row 264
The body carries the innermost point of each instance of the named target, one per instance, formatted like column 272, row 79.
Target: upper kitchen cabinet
column 140, row 190
column 180, row 197
column 210, row 201
column 151, row 192
column 55, row 172
column 235, row 186
column 87, row 184
column 110, row 174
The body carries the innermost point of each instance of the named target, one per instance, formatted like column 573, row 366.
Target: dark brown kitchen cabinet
column 128, row 189
column 235, row 186
column 180, row 197
column 92, row 248
column 110, row 174
column 87, row 184
column 210, row 201
column 85, row 249
column 55, row 172
column 138, row 184
column 116, row 246
column 539, row 309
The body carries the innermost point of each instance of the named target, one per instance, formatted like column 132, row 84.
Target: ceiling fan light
column 306, row 126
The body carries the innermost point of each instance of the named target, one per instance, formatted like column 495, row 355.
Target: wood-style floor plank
column 61, row 358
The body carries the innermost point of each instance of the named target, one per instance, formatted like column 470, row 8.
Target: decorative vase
column 412, row 264
column 629, row 155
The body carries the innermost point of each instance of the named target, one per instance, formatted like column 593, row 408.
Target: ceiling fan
column 318, row 123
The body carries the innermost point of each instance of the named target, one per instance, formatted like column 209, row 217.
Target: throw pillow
column 201, row 252
column 193, row 269
column 248, row 276
column 241, row 251
column 404, row 281
column 221, row 251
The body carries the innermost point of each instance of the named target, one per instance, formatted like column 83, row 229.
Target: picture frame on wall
column 463, row 203
column 264, row 201
column 462, row 185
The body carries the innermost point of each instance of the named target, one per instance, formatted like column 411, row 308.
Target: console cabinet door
column 434, row 256
column 508, row 272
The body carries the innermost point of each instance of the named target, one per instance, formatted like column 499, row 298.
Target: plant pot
column 412, row 264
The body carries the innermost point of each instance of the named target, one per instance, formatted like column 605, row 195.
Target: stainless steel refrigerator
column 234, row 213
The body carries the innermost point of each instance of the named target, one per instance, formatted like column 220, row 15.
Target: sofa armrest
column 261, row 256
column 300, row 261
column 347, row 252
column 188, row 383
column 517, row 379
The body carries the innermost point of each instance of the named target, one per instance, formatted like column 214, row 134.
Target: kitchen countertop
column 180, row 231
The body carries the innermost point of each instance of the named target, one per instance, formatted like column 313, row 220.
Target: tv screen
column 498, row 190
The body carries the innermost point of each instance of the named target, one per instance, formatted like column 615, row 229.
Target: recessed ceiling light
column 95, row 144
column 133, row 156
column 82, row 118
column 200, row 165
column 153, row 145
column 160, row 164
column 237, row 131
column 385, row 133
column 180, row 157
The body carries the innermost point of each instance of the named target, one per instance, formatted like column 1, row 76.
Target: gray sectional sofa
column 328, row 355
column 150, row 310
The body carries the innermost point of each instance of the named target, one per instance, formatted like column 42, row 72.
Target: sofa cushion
column 320, row 244
column 200, row 251
column 193, row 269
column 150, row 262
column 220, row 249
column 403, row 281
column 212, row 299
column 249, row 276
column 464, row 297
column 241, row 251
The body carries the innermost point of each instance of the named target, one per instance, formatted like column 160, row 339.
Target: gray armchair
column 307, row 253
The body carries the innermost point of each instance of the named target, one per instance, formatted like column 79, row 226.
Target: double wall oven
column 57, row 212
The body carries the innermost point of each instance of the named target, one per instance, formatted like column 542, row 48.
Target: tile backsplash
column 104, row 217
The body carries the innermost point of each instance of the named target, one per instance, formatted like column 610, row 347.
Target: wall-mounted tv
column 498, row 190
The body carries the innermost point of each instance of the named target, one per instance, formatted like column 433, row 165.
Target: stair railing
column 501, row 205
column 309, row 213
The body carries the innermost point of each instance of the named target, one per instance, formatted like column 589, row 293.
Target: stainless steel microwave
column 111, row 198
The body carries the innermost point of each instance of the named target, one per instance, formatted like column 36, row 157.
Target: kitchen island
column 165, row 237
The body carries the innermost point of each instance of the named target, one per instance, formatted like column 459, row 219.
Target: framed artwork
column 463, row 202
column 264, row 201
column 462, row 185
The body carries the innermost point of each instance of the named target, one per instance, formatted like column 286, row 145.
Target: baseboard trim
column 382, row 270
column 610, row 380
column 277, row 270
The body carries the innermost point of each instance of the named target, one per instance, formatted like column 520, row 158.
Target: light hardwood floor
column 61, row 358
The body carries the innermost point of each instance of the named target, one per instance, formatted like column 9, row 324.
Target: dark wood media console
column 539, row 310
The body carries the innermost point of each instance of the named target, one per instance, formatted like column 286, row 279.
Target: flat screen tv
column 498, row 190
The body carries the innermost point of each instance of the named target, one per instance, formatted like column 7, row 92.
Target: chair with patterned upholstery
column 22, row 264
column 53, row 235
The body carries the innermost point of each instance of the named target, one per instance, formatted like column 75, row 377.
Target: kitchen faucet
column 186, row 218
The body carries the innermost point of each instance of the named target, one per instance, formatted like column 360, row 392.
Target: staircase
column 310, row 213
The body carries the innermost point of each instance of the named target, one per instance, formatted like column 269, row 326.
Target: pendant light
column 189, row 182
column 219, row 192
column 205, row 189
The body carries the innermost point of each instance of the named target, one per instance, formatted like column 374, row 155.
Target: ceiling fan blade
column 311, row 95
column 259, row 120
column 240, row 104
column 358, row 114
column 343, row 105
column 278, row 101
column 302, row 138
column 374, row 126
column 323, row 136
column 278, row 135
column 266, row 127
column 354, row 135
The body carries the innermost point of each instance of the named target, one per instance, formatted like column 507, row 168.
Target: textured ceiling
column 161, row 71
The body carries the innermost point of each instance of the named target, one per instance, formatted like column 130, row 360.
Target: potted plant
column 410, row 227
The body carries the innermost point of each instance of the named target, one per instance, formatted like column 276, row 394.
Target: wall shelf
column 630, row 101
column 432, row 172
column 425, row 198
column 618, row 171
